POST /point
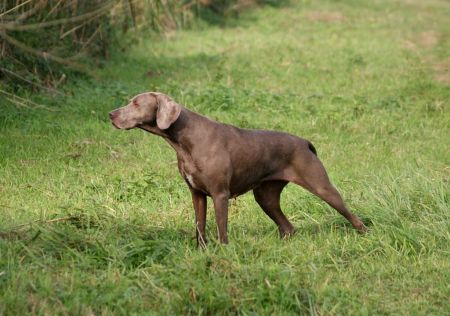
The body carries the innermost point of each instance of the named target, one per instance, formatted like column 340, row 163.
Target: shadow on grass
column 227, row 13
column 101, row 241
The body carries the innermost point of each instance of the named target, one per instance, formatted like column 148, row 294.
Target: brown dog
column 223, row 161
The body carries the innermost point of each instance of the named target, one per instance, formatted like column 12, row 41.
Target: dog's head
column 146, row 108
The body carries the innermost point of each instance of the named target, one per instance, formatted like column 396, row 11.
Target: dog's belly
column 241, row 185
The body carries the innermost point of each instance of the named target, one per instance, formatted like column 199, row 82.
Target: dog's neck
column 174, row 134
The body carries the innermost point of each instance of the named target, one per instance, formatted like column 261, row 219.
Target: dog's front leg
column 199, row 201
column 220, row 201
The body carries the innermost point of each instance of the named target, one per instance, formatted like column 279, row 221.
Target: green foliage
column 109, row 222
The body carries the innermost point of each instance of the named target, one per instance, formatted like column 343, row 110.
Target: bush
column 43, row 41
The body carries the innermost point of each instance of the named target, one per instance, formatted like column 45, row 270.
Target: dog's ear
column 168, row 111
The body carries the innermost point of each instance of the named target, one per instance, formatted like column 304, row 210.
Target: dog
column 223, row 161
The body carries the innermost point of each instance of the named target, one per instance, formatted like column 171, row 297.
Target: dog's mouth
column 115, row 125
column 120, row 127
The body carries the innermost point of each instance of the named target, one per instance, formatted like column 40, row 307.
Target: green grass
column 365, row 81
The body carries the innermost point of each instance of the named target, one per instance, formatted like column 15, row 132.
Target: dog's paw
column 362, row 229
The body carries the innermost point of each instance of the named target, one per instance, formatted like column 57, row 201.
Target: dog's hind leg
column 267, row 194
column 311, row 175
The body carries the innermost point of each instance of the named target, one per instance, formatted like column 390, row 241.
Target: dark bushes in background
column 42, row 42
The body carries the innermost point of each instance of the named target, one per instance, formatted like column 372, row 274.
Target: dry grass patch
column 442, row 71
column 422, row 40
column 428, row 39
column 323, row 16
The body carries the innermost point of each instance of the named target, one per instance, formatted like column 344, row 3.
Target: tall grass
column 41, row 40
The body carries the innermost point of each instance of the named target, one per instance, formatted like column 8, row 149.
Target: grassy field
column 95, row 221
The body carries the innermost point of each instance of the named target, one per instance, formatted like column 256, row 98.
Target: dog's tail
column 312, row 148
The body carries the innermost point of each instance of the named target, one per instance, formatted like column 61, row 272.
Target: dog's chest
column 190, row 180
column 193, row 181
column 189, row 172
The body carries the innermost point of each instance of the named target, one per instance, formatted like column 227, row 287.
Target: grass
column 98, row 221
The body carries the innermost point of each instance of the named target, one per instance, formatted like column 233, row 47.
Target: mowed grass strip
column 98, row 221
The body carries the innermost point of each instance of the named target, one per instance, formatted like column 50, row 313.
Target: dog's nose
column 112, row 115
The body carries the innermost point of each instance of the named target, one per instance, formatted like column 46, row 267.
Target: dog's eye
column 135, row 104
